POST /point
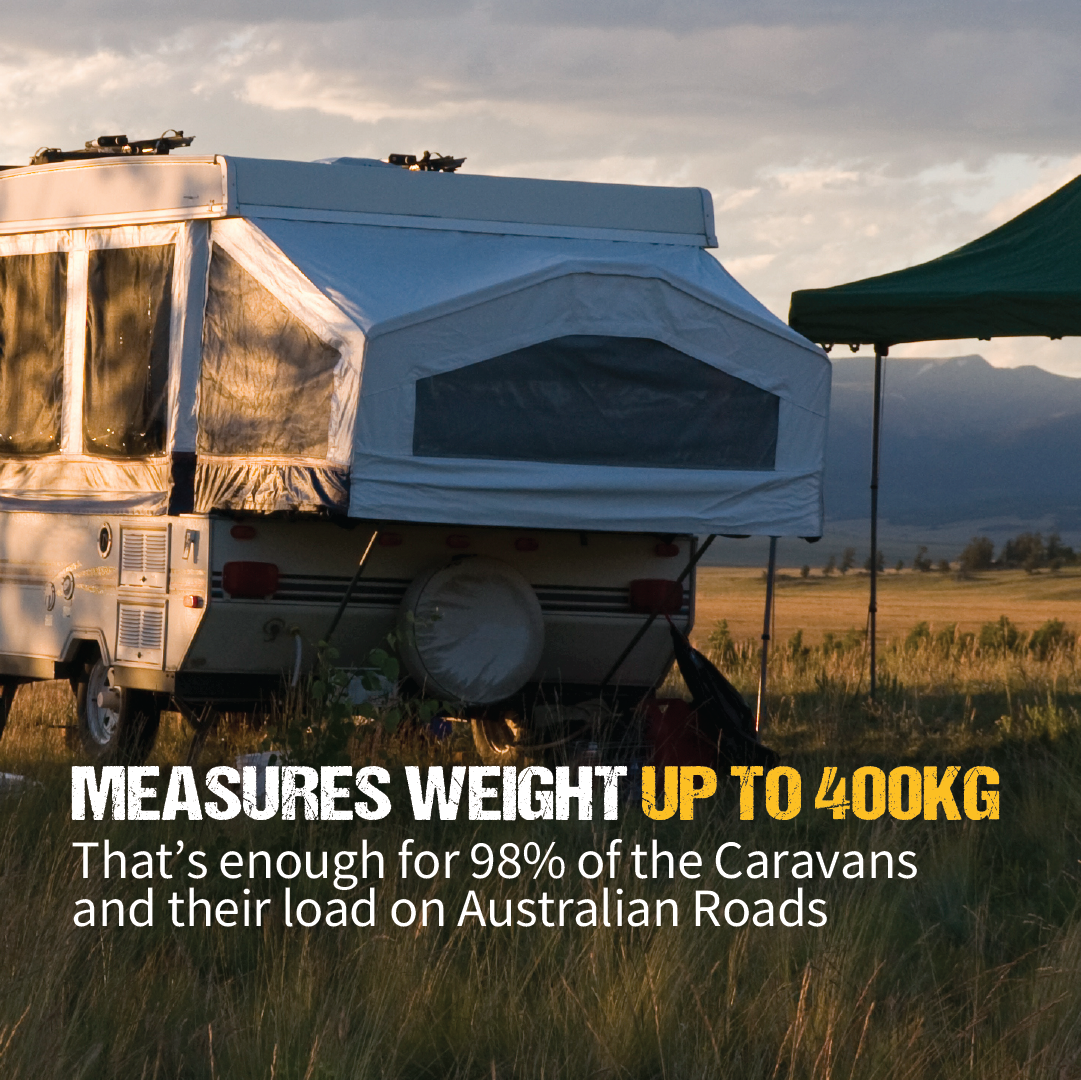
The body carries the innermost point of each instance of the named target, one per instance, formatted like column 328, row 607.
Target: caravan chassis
column 134, row 611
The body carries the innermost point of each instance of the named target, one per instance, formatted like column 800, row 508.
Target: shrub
column 1001, row 636
column 722, row 647
column 849, row 641
column 1051, row 637
column 917, row 636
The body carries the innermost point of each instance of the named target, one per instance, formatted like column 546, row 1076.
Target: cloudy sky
column 839, row 139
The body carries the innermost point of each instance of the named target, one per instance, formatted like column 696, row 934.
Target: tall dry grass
column 969, row 970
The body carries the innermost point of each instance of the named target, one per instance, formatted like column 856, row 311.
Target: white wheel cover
column 476, row 634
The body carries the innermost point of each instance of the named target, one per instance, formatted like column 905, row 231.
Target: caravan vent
column 144, row 557
column 140, row 633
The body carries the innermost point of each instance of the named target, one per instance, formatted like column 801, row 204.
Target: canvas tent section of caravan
column 220, row 377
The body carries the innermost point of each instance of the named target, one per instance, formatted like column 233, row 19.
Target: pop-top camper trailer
column 220, row 376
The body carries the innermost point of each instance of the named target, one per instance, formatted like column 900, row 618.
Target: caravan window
column 129, row 293
column 267, row 380
column 33, row 300
column 594, row 400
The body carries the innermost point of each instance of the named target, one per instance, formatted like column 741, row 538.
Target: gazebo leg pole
column 760, row 712
column 872, row 609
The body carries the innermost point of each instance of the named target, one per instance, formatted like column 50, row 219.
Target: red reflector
column 242, row 532
column 193, row 601
column 456, row 540
column 666, row 551
column 656, row 596
column 526, row 543
column 389, row 539
column 249, row 580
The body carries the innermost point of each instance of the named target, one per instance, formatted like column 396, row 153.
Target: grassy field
column 817, row 604
column 970, row 969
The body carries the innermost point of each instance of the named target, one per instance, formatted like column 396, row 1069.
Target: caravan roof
column 362, row 339
column 129, row 191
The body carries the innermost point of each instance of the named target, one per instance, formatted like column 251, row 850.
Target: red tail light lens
column 656, row 596
column 242, row 532
column 249, row 580
column 666, row 551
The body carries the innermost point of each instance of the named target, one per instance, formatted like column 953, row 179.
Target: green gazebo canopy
column 1021, row 280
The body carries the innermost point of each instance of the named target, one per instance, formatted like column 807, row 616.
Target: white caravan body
column 220, row 375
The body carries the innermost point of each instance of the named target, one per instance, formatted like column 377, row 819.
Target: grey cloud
column 839, row 140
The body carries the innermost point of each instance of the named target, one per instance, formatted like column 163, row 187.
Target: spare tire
column 471, row 632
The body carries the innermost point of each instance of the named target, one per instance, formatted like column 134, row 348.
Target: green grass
column 969, row 970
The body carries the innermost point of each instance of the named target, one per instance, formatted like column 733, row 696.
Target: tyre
column 116, row 725
column 498, row 739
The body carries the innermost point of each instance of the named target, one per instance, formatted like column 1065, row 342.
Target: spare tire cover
column 471, row 632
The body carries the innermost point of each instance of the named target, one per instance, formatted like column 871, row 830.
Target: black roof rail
column 115, row 146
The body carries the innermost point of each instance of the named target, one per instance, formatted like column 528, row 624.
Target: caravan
column 223, row 380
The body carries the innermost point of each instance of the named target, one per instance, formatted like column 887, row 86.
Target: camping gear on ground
column 720, row 714
column 221, row 376
column 1019, row 280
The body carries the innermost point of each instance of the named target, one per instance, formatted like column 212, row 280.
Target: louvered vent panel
column 144, row 557
column 140, row 633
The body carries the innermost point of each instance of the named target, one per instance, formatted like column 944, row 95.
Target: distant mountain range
column 962, row 442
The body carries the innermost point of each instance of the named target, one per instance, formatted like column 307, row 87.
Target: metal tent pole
column 872, row 608
column 760, row 712
column 350, row 587
column 653, row 618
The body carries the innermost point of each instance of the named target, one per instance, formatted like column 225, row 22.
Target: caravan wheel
column 498, row 739
column 115, row 724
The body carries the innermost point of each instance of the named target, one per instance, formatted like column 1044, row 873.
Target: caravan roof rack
column 115, row 146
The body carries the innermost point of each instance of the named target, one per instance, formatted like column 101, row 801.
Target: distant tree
column 830, row 567
column 804, row 571
column 1058, row 554
column 881, row 560
column 921, row 561
column 944, row 566
column 900, row 565
column 848, row 560
column 1025, row 551
column 978, row 555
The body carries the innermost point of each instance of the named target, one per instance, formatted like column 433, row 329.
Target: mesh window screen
column 597, row 401
column 33, row 298
column 267, row 380
column 127, row 351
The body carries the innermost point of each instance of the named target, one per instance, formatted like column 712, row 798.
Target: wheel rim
column 101, row 722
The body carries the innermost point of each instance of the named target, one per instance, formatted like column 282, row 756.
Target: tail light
column 656, row 596
column 666, row 551
column 249, row 580
column 242, row 532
